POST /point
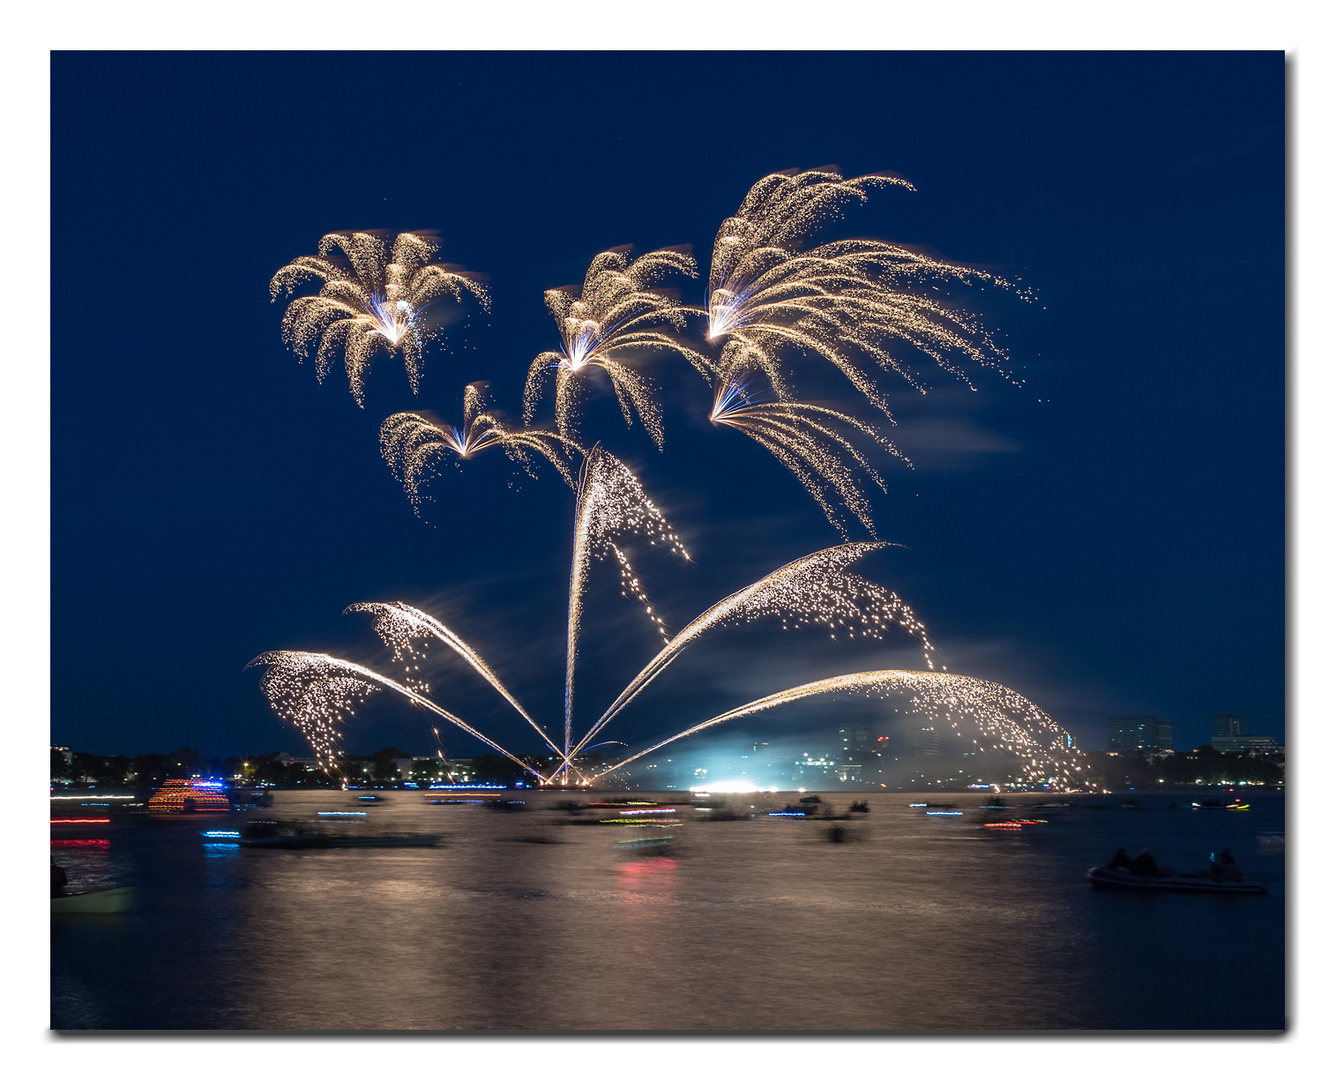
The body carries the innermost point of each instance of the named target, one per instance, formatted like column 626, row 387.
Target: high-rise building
column 924, row 742
column 854, row 743
column 1140, row 735
column 1229, row 736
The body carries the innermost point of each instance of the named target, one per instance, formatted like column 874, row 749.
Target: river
column 531, row 920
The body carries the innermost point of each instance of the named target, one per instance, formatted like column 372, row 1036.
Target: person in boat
column 58, row 879
column 1120, row 859
column 1144, row 865
column 1223, row 867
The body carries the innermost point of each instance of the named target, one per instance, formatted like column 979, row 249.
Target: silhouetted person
column 1120, row 859
column 58, row 880
column 1224, row 868
column 1144, row 865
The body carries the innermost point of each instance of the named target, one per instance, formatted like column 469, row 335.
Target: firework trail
column 611, row 504
column 415, row 444
column 813, row 442
column 1041, row 745
column 370, row 299
column 814, row 590
column 617, row 311
column 314, row 690
column 839, row 300
column 402, row 628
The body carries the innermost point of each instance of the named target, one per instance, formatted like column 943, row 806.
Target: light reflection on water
column 529, row 921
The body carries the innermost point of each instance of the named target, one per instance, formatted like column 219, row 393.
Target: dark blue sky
column 1106, row 539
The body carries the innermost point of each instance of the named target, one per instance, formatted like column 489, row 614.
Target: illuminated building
column 1140, row 735
column 925, row 742
column 1228, row 736
column 854, row 743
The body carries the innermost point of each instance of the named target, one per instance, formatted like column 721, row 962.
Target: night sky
column 1106, row 539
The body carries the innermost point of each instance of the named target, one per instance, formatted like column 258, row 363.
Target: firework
column 611, row 504
column 1005, row 718
column 618, row 311
column 415, row 444
column 404, row 629
column 842, row 301
column 813, row 442
column 314, row 691
column 816, row 590
column 373, row 296
column 317, row 692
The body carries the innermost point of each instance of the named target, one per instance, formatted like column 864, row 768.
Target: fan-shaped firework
column 843, row 301
column 1007, row 720
column 316, row 692
column 617, row 315
column 813, row 442
column 373, row 295
column 416, row 444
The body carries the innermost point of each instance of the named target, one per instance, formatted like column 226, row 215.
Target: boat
column 189, row 797
column 650, row 843
column 93, row 902
column 331, row 840
column 279, row 834
column 1101, row 877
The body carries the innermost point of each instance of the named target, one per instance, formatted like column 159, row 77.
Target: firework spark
column 404, row 629
column 611, row 504
column 618, row 311
column 817, row 590
column 415, row 444
column 813, row 442
column 314, row 691
column 371, row 298
column 842, row 300
column 1005, row 718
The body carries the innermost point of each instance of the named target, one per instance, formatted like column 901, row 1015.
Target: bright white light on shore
column 740, row 786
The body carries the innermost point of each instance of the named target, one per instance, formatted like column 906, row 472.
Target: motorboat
column 332, row 840
column 1101, row 877
column 93, row 901
column 273, row 834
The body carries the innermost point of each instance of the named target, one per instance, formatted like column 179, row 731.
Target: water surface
column 526, row 920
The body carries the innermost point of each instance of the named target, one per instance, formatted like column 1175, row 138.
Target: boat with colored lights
column 93, row 902
column 189, row 797
column 1101, row 877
